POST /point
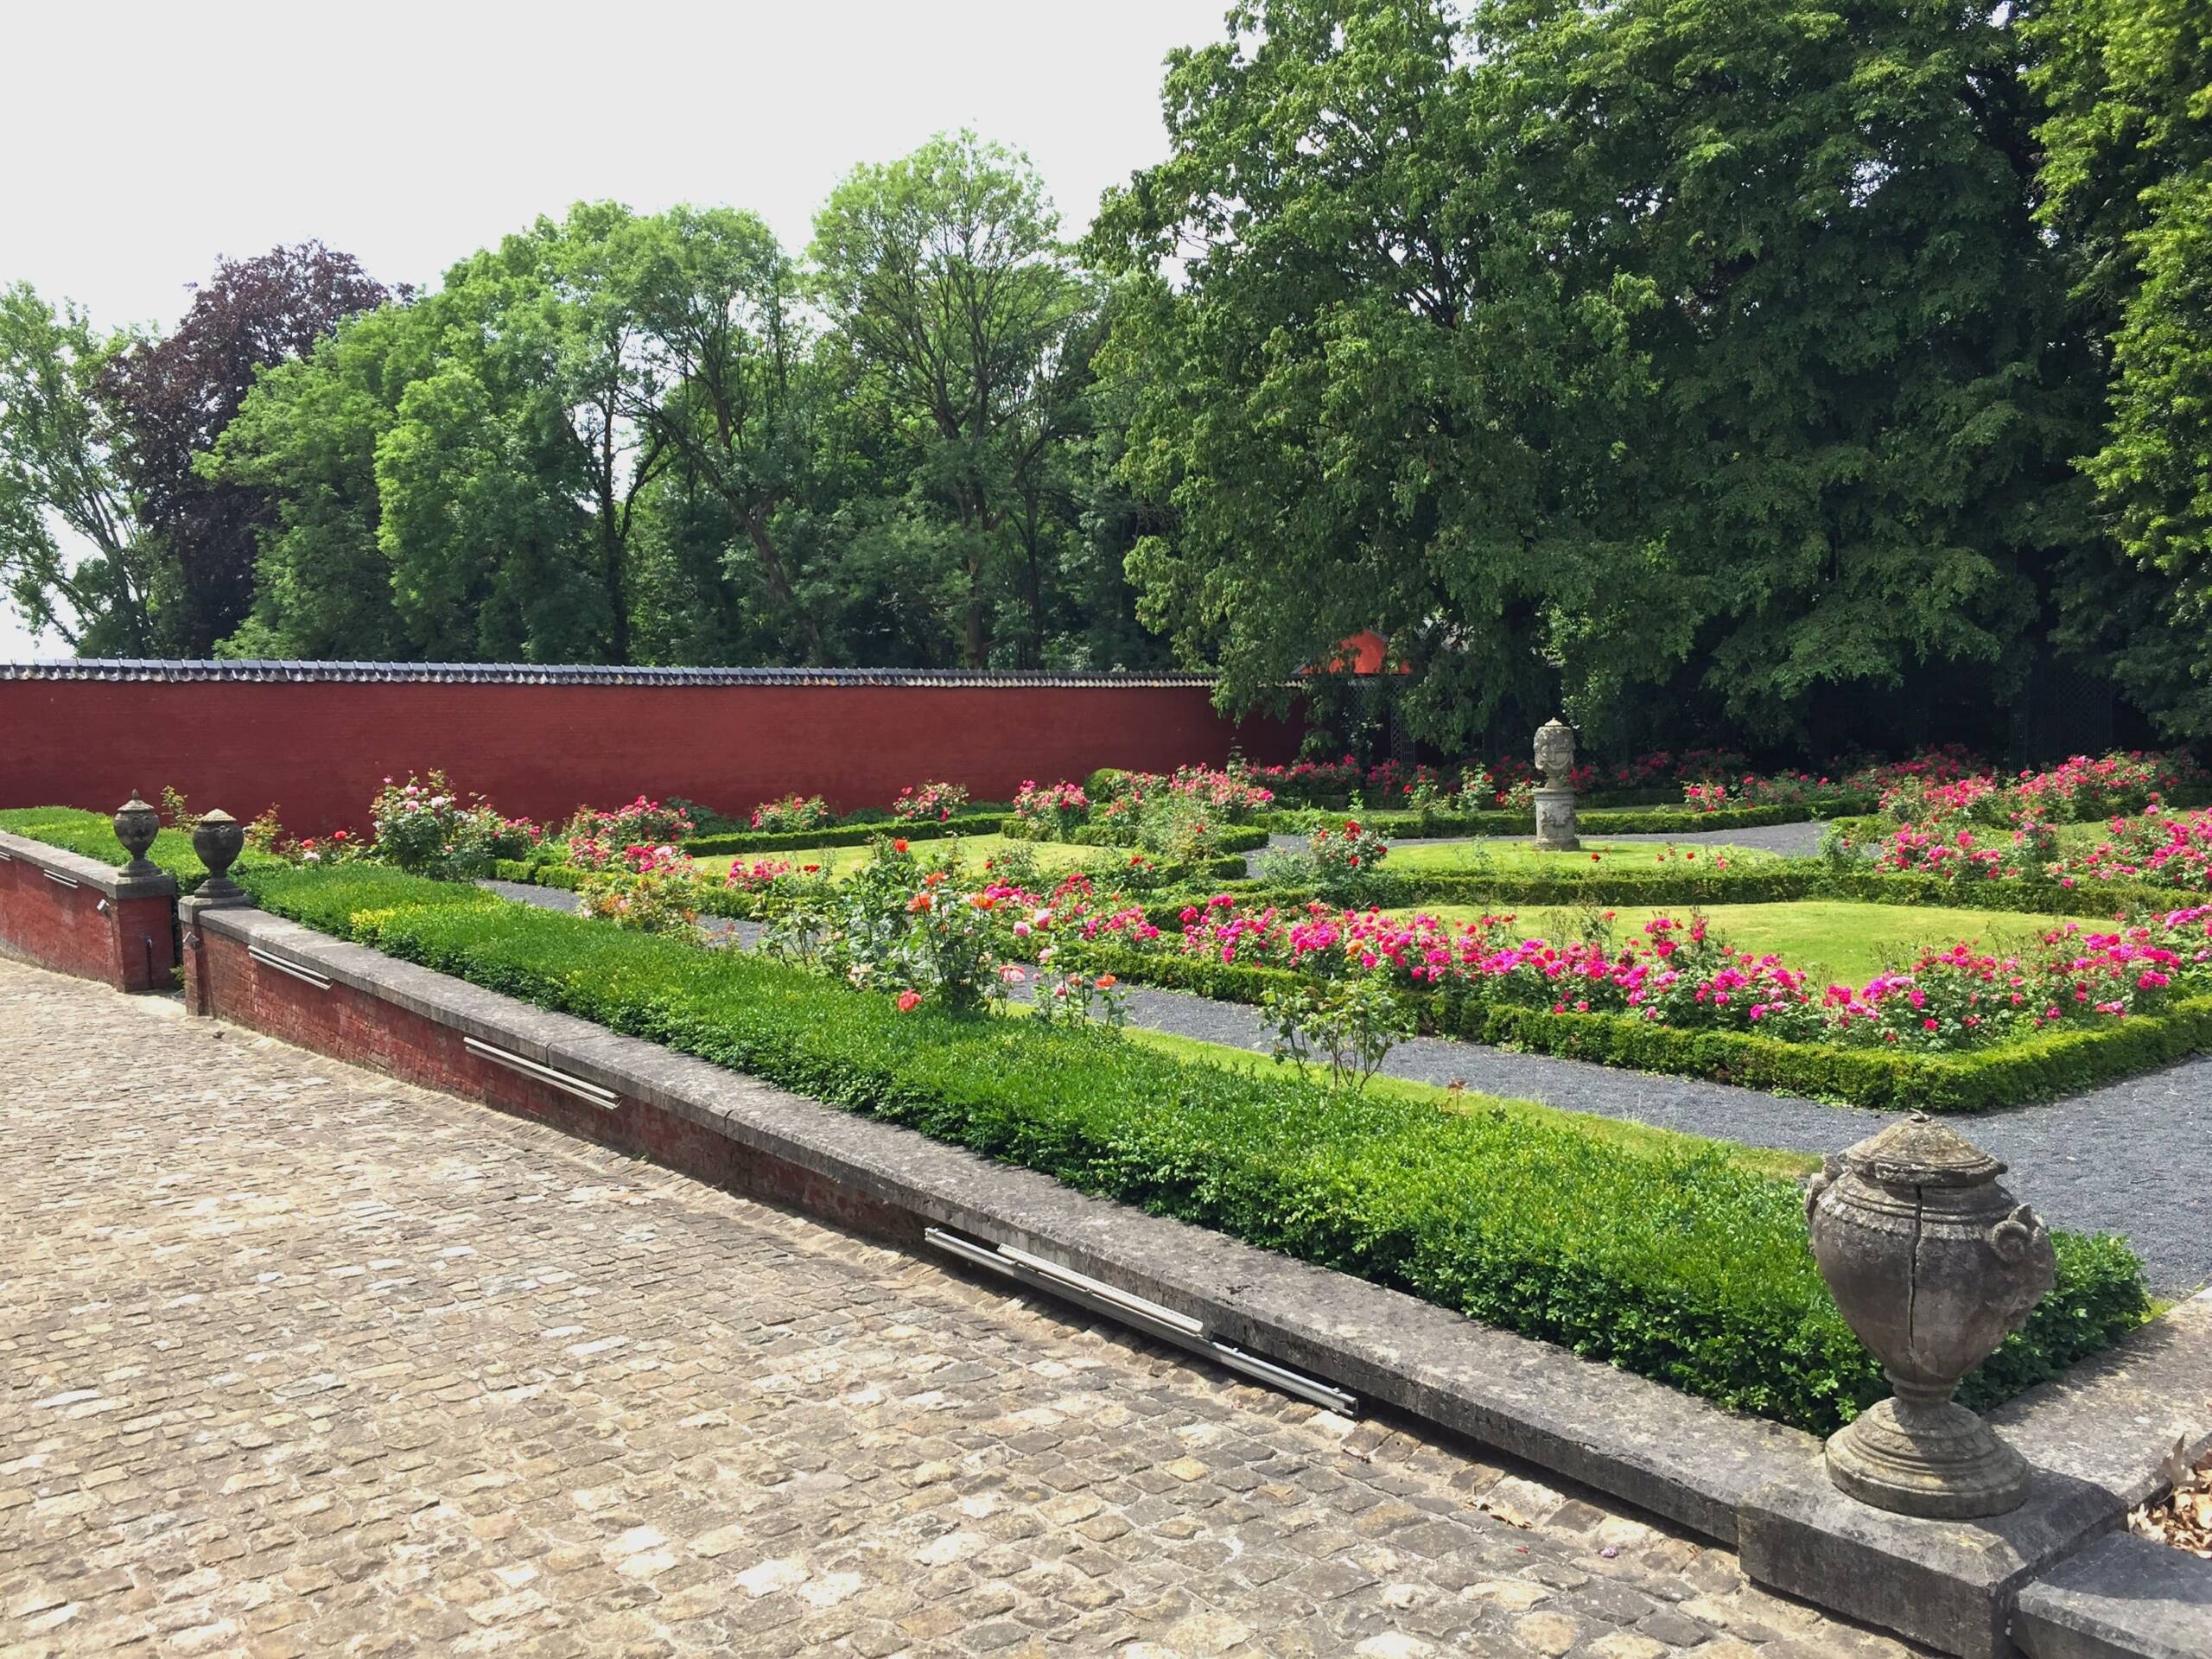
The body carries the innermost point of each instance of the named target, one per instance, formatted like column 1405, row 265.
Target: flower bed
column 1684, row 1268
column 1992, row 1031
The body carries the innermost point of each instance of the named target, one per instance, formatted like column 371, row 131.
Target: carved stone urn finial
column 1555, row 826
column 135, row 826
column 1933, row 1264
column 218, row 839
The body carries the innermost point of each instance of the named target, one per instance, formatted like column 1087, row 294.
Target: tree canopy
column 1796, row 373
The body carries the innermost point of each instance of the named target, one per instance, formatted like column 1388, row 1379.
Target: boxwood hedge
column 848, row 833
column 1687, row 1268
column 1594, row 821
column 2037, row 1068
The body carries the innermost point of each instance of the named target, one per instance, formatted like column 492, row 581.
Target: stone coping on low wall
column 108, row 880
column 2097, row 1435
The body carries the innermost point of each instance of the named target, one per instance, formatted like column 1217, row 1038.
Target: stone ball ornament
column 1933, row 1264
column 218, row 838
column 135, row 825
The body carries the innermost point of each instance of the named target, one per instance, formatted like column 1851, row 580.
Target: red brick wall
column 131, row 946
column 317, row 750
column 350, row 1025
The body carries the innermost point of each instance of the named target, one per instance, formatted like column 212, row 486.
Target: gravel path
column 1794, row 840
column 2131, row 1158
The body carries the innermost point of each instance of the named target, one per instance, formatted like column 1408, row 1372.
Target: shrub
column 928, row 803
column 661, row 900
column 790, row 813
column 1049, row 811
column 642, row 823
column 1679, row 1266
column 1353, row 1024
column 424, row 827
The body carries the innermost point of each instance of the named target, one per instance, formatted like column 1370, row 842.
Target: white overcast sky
column 144, row 141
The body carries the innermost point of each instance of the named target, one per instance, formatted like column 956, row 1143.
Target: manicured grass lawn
column 1613, row 857
column 1828, row 938
column 971, row 851
column 1639, row 1138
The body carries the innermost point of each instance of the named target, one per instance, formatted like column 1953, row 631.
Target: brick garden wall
column 129, row 943
column 315, row 739
column 223, row 980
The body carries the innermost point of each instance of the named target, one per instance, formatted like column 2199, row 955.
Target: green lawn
column 1639, row 1138
column 1612, row 857
column 1828, row 938
column 971, row 851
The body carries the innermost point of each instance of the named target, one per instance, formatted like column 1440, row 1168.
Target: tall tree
column 1362, row 390
column 2128, row 174
column 177, row 394
column 959, row 314
column 727, row 386
column 63, row 462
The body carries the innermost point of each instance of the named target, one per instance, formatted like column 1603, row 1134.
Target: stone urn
column 1933, row 1264
column 1555, row 826
column 218, row 839
column 135, row 826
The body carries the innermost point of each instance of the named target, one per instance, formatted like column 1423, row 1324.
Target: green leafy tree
column 1374, row 398
column 2128, row 174
column 62, row 467
column 961, row 322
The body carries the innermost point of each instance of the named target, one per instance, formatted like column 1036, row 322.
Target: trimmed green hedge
column 841, row 834
column 1233, row 839
column 2045, row 1067
column 92, row 836
column 1759, row 884
column 1687, row 1268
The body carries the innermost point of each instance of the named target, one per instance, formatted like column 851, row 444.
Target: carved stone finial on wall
column 135, row 826
column 218, row 839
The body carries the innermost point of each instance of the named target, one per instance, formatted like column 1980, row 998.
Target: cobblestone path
column 297, row 1360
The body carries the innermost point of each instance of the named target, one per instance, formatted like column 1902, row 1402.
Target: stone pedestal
column 1556, row 827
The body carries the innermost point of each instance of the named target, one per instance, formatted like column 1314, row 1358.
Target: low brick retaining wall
column 2094, row 1436
column 75, row 915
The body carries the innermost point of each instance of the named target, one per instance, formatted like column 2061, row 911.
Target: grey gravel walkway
column 1794, row 840
column 2132, row 1158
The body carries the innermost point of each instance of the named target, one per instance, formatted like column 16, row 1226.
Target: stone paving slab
column 297, row 1360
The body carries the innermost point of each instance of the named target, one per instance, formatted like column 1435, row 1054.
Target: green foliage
column 2047, row 1067
column 1681, row 1267
column 850, row 834
column 1352, row 1024
column 2127, row 173
column 61, row 461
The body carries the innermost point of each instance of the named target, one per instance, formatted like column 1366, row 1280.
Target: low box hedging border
column 1757, row 884
column 2037, row 1068
column 841, row 834
column 1685, row 1269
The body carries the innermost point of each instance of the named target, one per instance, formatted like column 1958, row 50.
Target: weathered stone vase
column 135, row 826
column 1555, row 825
column 1933, row 1264
column 218, row 839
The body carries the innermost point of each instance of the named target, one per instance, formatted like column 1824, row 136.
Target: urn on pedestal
column 1556, row 827
column 1933, row 1264
column 135, row 825
column 218, row 838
